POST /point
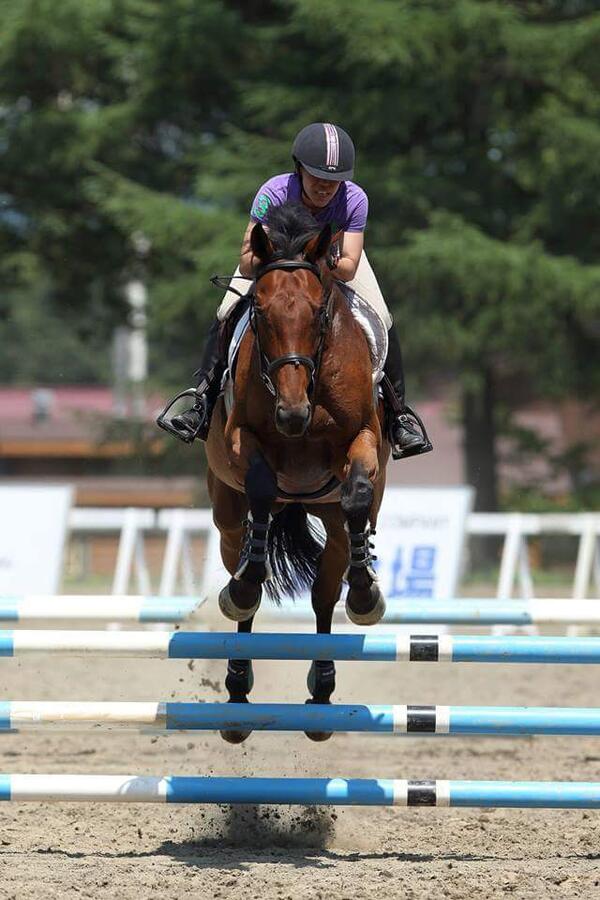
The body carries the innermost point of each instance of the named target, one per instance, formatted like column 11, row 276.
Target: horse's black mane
column 291, row 226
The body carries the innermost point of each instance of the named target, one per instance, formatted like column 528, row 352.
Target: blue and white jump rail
column 163, row 717
column 136, row 608
column 470, row 612
column 380, row 647
column 299, row 791
column 97, row 608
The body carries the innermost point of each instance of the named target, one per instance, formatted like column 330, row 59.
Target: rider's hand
column 333, row 255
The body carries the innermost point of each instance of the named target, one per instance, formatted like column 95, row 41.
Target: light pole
column 137, row 347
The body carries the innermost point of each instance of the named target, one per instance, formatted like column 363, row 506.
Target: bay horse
column 304, row 434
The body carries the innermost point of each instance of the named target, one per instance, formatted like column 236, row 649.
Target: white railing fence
column 184, row 575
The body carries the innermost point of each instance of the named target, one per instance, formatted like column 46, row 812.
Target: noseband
column 311, row 363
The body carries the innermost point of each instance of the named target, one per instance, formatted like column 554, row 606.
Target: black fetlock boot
column 406, row 432
column 195, row 422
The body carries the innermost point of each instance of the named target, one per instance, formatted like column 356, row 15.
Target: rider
column 324, row 164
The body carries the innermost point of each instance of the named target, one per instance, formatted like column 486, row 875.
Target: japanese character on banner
column 418, row 578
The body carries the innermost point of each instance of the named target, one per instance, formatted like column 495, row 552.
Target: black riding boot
column 406, row 432
column 195, row 422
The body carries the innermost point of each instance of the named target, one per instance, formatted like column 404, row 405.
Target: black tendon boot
column 406, row 432
column 195, row 422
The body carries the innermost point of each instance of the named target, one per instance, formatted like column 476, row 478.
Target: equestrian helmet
column 325, row 151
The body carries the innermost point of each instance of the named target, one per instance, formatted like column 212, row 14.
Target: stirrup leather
column 396, row 408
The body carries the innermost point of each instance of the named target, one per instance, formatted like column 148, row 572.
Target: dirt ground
column 150, row 851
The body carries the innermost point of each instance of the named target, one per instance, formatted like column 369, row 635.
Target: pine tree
column 477, row 130
column 105, row 108
column 476, row 123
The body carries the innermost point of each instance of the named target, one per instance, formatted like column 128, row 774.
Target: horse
column 304, row 434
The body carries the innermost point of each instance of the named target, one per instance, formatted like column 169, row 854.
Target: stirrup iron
column 425, row 447
column 164, row 420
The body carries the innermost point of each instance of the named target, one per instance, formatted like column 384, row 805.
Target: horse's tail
column 295, row 547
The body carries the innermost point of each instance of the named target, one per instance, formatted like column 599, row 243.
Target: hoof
column 318, row 736
column 374, row 615
column 233, row 612
column 235, row 737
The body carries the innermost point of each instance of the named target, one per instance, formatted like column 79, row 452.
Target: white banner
column 33, row 528
column 419, row 541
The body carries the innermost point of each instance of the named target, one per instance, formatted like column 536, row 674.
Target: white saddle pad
column 240, row 330
column 373, row 327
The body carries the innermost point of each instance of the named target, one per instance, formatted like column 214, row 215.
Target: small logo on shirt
column 261, row 205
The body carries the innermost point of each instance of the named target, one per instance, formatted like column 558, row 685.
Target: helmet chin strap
column 309, row 203
column 299, row 174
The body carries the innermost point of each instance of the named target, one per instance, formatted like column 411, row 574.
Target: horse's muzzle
column 292, row 421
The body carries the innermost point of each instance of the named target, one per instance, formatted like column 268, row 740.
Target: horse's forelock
column 291, row 227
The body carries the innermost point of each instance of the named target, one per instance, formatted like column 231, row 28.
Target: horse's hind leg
column 364, row 603
column 240, row 598
column 325, row 594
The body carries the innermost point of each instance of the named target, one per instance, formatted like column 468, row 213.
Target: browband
column 288, row 264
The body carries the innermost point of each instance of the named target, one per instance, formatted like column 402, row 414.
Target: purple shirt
column 346, row 211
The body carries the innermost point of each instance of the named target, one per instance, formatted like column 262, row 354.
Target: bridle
column 268, row 367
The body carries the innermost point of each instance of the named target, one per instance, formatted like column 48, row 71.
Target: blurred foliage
column 535, row 500
column 478, row 136
column 104, row 108
column 31, row 331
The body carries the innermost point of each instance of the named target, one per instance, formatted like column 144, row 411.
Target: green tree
column 104, row 103
column 477, row 129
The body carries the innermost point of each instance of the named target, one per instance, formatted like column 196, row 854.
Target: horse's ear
column 260, row 244
column 318, row 246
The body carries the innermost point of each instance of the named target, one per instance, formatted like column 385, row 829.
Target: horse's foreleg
column 325, row 594
column 240, row 598
column 365, row 604
column 239, row 682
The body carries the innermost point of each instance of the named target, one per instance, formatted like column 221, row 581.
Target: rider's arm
column 352, row 247
column 346, row 266
column 248, row 262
